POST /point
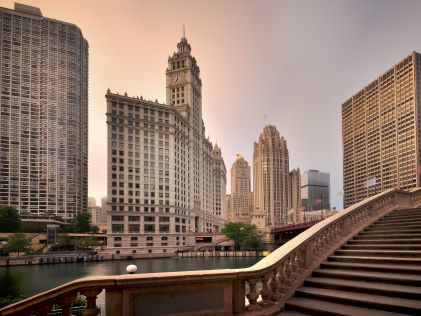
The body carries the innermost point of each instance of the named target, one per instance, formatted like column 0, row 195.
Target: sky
column 287, row 63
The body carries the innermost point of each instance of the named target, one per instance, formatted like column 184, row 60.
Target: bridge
column 281, row 234
column 365, row 260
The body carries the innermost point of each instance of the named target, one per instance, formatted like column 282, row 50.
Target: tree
column 9, row 219
column 254, row 241
column 82, row 223
column 18, row 243
column 65, row 242
column 94, row 229
column 238, row 232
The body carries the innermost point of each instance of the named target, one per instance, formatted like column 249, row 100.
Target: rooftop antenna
column 265, row 118
column 184, row 31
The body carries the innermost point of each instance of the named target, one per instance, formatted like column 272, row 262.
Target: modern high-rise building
column 315, row 190
column 270, row 179
column 43, row 114
column 240, row 201
column 381, row 133
column 166, row 180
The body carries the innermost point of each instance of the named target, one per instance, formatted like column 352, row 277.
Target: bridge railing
column 269, row 283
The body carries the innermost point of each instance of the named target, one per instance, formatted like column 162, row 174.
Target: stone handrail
column 270, row 282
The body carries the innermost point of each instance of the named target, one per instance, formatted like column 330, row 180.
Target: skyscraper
column 240, row 201
column 166, row 180
column 315, row 190
column 270, row 176
column 294, row 191
column 381, row 133
column 43, row 114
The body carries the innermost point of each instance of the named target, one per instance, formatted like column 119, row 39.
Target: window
column 117, row 218
column 134, row 228
column 117, row 228
column 149, row 228
column 164, row 228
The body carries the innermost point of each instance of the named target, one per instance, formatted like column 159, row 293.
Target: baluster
column 253, row 295
column 275, row 283
column 91, row 308
column 287, row 274
column 299, row 262
column 265, row 291
column 44, row 310
column 291, row 264
column 66, row 304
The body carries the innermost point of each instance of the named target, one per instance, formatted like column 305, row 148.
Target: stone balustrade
column 258, row 290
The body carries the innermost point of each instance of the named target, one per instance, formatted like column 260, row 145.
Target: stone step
column 399, row 217
column 385, row 303
column 387, row 236
column 382, row 247
column 412, row 224
column 406, row 226
column 394, row 220
column 293, row 313
column 394, row 290
column 394, row 268
column 390, row 232
column 380, row 253
column 383, row 241
column 370, row 276
column 320, row 307
column 376, row 260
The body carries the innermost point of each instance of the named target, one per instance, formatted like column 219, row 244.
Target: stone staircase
column 378, row 272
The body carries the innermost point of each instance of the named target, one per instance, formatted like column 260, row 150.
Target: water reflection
column 29, row 280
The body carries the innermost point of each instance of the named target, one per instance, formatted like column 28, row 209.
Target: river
column 26, row 281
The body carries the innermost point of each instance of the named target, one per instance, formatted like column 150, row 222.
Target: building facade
column 166, row 180
column 315, row 190
column 43, row 114
column 240, row 201
column 381, row 133
column 270, row 176
column 294, row 200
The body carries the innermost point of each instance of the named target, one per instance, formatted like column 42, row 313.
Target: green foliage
column 80, row 301
column 95, row 229
column 239, row 232
column 4, row 301
column 65, row 242
column 18, row 243
column 9, row 219
column 254, row 241
column 81, row 224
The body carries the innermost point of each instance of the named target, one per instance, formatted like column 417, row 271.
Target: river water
column 29, row 280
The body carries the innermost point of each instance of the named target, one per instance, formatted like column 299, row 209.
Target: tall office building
column 315, row 190
column 240, row 201
column 166, row 180
column 43, row 114
column 270, row 176
column 381, row 133
column 294, row 191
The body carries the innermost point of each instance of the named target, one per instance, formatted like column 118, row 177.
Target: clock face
column 176, row 78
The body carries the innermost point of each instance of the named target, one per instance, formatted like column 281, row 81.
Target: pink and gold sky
column 293, row 62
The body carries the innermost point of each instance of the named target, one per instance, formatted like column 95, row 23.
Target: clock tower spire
column 184, row 86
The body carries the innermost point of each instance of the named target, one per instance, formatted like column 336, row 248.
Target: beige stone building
column 381, row 133
column 294, row 200
column 240, row 201
column 270, row 176
column 166, row 180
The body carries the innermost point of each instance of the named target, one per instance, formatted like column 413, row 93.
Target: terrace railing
column 258, row 290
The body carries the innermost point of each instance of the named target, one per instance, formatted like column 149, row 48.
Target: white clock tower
column 184, row 87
